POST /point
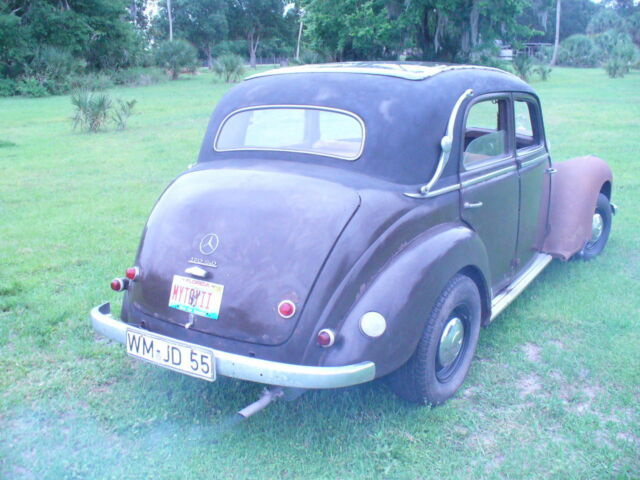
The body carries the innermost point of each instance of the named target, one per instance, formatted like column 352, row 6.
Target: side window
column 527, row 134
column 485, row 132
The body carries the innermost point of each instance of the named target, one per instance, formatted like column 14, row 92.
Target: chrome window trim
column 531, row 151
column 533, row 161
column 489, row 176
column 298, row 107
column 487, row 163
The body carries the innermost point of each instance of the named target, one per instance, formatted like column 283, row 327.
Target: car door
column 533, row 168
column 489, row 181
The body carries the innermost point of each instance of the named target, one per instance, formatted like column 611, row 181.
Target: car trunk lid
column 262, row 236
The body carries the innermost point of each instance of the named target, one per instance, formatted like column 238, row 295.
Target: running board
column 509, row 294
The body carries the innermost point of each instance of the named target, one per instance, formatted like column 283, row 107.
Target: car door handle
column 551, row 170
column 472, row 204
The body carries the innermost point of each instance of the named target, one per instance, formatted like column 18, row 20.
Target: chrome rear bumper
column 254, row 369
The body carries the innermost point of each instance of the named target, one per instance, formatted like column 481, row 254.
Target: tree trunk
column 556, row 44
column 134, row 12
column 474, row 19
column 253, row 40
column 170, row 20
column 207, row 52
column 425, row 39
column 299, row 40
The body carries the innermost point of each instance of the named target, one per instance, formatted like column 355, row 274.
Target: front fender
column 574, row 193
column 404, row 292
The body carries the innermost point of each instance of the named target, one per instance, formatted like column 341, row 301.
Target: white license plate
column 196, row 296
column 169, row 353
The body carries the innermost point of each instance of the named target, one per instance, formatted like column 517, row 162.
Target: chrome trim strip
column 405, row 71
column 489, row 176
column 528, row 163
column 299, row 107
column 434, row 193
column 503, row 299
column 254, row 369
column 446, row 144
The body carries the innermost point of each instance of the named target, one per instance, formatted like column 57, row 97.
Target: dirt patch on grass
column 529, row 385
column 532, row 352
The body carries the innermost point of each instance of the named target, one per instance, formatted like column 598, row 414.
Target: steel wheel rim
column 597, row 227
column 452, row 345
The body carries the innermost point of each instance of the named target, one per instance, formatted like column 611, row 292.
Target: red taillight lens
column 119, row 284
column 132, row 273
column 286, row 308
column 326, row 337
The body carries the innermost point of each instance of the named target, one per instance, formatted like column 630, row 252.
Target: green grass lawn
column 554, row 391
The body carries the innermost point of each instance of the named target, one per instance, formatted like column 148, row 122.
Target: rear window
column 328, row 132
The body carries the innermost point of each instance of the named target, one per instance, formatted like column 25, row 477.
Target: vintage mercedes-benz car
column 346, row 222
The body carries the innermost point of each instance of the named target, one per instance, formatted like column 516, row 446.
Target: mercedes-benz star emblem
column 209, row 243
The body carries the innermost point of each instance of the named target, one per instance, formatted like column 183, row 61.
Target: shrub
column 139, row 77
column 543, row 70
column 578, row 51
column 31, row 87
column 92, row 110
column 229, row 67
column 122, row 112
column 8, row 87
column 176, row 55
column 522, row 65
column 91, row 82
column 54, row 63
column 622, row 57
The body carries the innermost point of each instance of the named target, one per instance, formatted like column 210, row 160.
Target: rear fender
column 574, row 193
column 405, row 293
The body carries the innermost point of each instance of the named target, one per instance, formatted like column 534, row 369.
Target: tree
column 255, row 20
column 201, row 22
column 99, row 31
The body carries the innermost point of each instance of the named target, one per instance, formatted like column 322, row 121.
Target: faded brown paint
column 574, row 194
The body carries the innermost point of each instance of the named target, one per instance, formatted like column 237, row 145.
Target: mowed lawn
column 554, row 391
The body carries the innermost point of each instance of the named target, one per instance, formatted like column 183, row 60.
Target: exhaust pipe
column 268, row 395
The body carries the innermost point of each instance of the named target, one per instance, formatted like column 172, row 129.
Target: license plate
column 196, row 296
column 169, row 353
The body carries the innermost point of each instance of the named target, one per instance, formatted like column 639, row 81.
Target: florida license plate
column 196, row 296
column 169, row 353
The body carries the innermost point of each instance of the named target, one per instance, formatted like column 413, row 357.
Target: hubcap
column 597, row 224
column 450, row 342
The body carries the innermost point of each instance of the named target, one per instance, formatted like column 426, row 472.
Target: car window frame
column 303, row 152
column 509, row 136
column 536, row 123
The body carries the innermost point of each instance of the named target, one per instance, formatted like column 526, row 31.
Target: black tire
column 423, row 379
column 594, row 247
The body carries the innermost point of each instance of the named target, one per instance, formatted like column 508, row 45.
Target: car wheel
column 443, row 356
column 600, row 229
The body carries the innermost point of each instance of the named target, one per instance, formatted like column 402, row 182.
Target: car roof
column 404, row 70
column 405, row 108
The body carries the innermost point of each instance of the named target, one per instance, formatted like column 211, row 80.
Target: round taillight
column 326, row 338
column 286, row 309
column 132, row 273
column 119, row 284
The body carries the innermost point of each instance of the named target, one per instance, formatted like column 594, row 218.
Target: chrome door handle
column 472, row 204
column 551, row 170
